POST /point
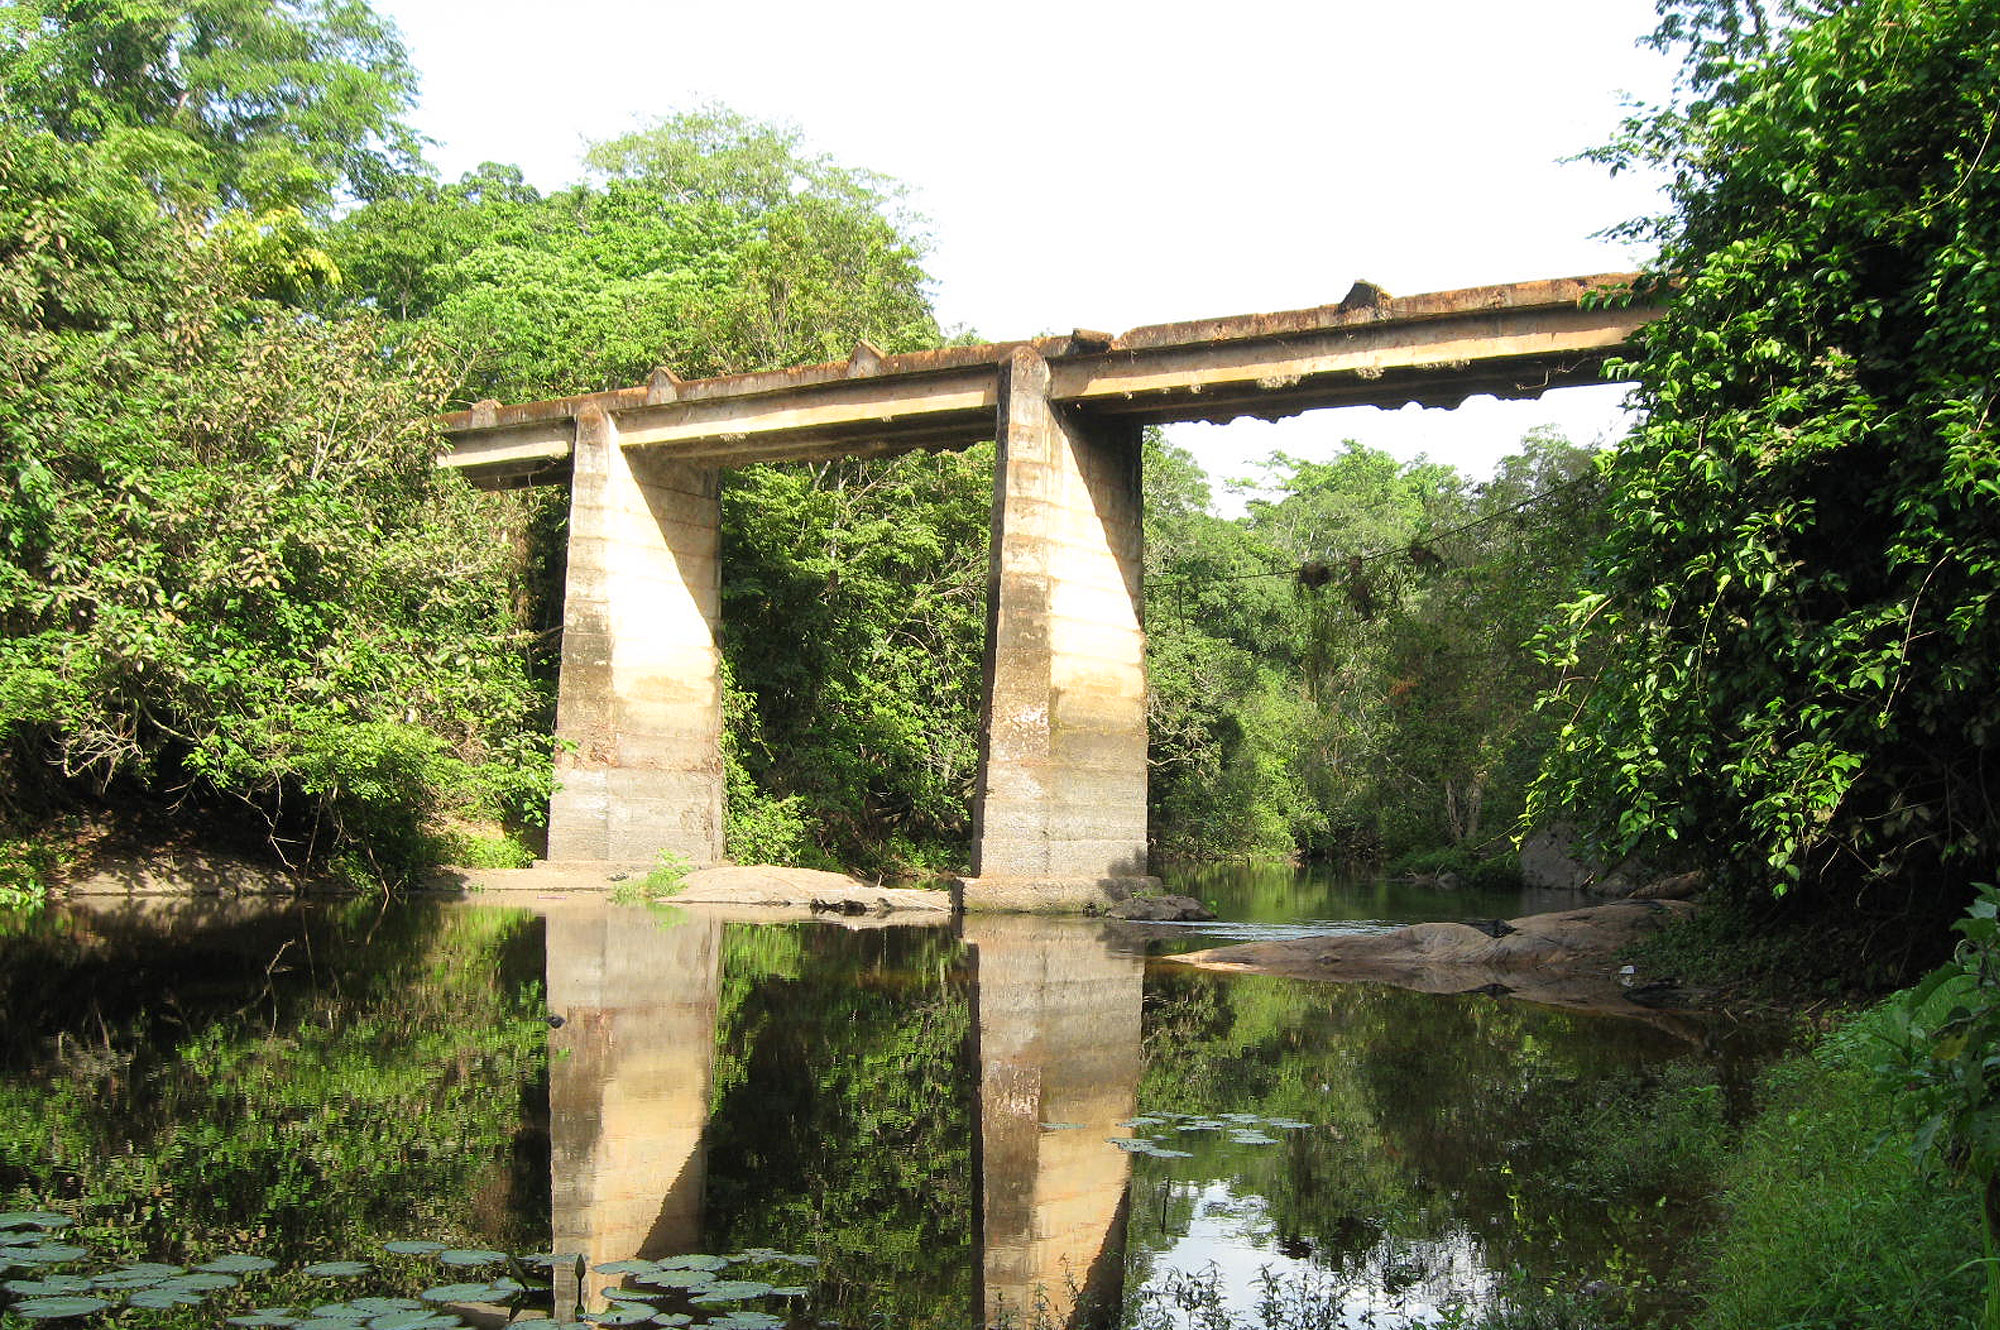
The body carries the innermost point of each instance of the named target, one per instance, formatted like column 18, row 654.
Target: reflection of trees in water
column 844, row 1115
column 318, row 1080
column 1435, row 1118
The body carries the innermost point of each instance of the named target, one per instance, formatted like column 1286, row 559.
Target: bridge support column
column 639, row 706
column 1059, row 818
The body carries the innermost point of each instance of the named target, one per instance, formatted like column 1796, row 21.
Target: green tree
column 1796, row 605
column 246, row 102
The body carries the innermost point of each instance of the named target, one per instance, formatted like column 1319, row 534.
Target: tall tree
column 257, row 103
column 1798, row 607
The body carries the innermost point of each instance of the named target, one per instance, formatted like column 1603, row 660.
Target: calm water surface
column 997, row 1122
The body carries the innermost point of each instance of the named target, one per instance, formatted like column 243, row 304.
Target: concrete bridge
column 1059, row 814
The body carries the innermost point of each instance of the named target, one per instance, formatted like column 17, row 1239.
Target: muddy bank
column 1564, row 959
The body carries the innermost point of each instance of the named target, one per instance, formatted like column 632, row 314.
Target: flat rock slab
column 1564, row 959
column 749, row 886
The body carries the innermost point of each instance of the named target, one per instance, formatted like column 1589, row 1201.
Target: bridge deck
column 1370, row 350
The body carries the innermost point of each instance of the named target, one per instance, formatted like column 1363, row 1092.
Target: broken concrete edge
column 1045, row 895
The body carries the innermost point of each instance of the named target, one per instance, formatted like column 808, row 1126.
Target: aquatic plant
column 58, row 1287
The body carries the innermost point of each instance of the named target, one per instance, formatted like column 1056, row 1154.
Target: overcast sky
column 1102, row 165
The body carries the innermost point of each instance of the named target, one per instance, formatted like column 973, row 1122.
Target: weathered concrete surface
column 1370, row 349
column 1563, row 959
column 1057, row 1010
column 639, row 706
column 629, row 1071
column 1061, row 798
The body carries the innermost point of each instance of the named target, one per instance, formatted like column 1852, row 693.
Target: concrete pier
column 1059, row 818
column 639, row 703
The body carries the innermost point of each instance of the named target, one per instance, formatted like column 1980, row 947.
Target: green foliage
column 248, row 103
column 1346, row 671
column 229, row 572
column 1829, row 1220
column 1795, row 607
column 1944, row 1039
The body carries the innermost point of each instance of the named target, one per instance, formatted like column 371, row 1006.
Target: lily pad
column 332, row 1322
column 166, row 1295
column 480, row 1292
column 414, row 1247
column 41, row 1219
column 789, row 1291
column 347, row 1311
column 623, row 1314
column 677, row 1278
column 50, row 1286
column 1252, row 1138
column 1162, row 1152
column 281, row 1316
column 745, row 1320
column 139, row 1274
column 626, row 1267
column 542, row 1323
column 210, row 1282
column 477, row 1256
column 1133, row 1145
column 731, row 1290
column 691, row 1261
column 664, row 1318
column 56, row 1309
column 383, row 1306
column 632, row 1295
column 1062, row 1126
column 415, row 1321
column 238, row 1263
column 337, row 1269
column 48, row 1253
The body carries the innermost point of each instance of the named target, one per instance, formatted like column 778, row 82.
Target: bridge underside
column 1060, row 809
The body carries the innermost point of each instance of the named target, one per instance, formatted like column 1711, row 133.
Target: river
column 1009, row 1120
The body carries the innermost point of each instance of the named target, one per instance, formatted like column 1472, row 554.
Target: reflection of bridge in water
column 1057, row 1021
column 1059, row 806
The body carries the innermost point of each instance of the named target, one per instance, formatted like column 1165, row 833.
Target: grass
column 1830, row 1223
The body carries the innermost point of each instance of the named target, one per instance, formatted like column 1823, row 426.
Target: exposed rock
column 1161, row 909
column 1679, row 887
column 1549, row 860
column 1563, row 959
column 183, row 871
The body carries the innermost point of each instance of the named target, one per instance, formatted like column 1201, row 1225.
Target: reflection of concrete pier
column 1058, row 1016
column 628, row 1079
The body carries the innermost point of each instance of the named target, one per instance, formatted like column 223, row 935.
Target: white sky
column 1106, row 165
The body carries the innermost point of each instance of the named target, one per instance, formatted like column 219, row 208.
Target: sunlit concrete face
column 1058, row 1019
column 639, row 710
column 629, row 1074
column 1061, row 804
